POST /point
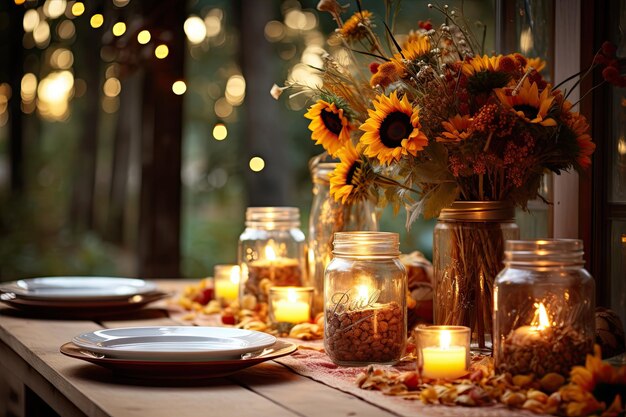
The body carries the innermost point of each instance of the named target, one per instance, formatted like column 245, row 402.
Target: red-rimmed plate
column 159, row 370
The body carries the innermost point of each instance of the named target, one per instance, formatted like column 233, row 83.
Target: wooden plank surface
column 73, row 387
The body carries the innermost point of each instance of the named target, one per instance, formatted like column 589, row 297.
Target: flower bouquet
column 426, row 119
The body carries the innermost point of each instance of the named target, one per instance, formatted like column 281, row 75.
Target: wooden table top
column 30, row 360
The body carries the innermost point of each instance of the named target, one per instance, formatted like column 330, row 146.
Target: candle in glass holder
column 277, row 270
column 444, row 351
column 227, row 282
column 290, row 304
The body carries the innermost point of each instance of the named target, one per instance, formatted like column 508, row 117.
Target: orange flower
column 392, row 130
column 457, row 129
column 329, row 126
column 386, row 74
column 355, row 27
column 527, row 103
column 479, row 64
column 580, row 127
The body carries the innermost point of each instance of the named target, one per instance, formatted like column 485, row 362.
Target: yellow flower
column 528, row 103
column 418, row 47
column 349, row 182
column 355, row 27
column 480, row 64
column 457, row 128
column 329, row 126
column 392, row 129
column 537, row 63
column 580, row 127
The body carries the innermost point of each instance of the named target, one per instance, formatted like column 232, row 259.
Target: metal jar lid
column 478, row 211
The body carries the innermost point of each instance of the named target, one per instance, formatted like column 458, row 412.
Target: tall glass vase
column 468, row 249
column 326, row 218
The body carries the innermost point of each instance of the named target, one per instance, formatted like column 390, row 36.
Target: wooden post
column 160, row 199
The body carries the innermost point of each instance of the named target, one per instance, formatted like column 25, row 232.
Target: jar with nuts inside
column 365, row 299
column 271, row 252
column 544, row 302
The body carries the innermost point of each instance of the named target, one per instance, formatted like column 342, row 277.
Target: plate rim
column 200, row 370
column 13, row 287
column 170, row 355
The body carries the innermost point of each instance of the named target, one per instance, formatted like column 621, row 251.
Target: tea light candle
column 444, row 351
column 227, row 282
column 290, row 304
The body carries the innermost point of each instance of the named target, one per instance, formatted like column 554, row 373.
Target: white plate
column 174, row 343
column 77, row 288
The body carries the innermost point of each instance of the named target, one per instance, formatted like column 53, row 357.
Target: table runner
column 310, row 361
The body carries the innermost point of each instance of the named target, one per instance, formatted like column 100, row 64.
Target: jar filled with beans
column 365, row 299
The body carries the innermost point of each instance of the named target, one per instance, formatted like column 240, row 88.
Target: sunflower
column 605, row 382
column 392, row 129
column 537, row 63
column 329, row 126
column 486, row 73
column 415, row 49
column 354, row 28
column 580, row 127
column 349, row 181
column 480, row 64
column 528, row 103
column 457, row 129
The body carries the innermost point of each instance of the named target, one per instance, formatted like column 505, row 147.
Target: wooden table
column 41, row 381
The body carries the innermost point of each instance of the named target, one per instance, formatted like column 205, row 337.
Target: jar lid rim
column 478, row 211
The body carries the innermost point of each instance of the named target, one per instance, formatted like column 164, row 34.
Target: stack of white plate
column 176, row 352
column 79, row 295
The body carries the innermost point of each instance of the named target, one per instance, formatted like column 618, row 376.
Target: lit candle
column 227, row 282
column 537, row 328
column 290, row 309
column 444, row 361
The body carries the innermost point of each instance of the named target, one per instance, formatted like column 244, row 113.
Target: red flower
column 611, row 74
column 425, row 24
column 374, row 67
column 609, row 49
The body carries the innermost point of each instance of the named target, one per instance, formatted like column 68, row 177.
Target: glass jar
column 365, row 299
column 544, row 311
column 271, row 251
column 326, row 218
column 468, row 247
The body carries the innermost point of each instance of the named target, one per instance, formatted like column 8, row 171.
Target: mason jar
column 468, row 247
column 365, row 299
column 544, row 311
column 271, row 251
column 327, row 218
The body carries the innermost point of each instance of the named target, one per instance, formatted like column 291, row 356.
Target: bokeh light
column 274, row 31
column 62, row 58
column 54, row 8
column 96, row 20
column 213, row 23
column 30, row 20
column 78, row 8
column 119, row 28
column 53, row 95
column 235, row 90
column 121, row 3
column 161, row 51
column 223, row 108
column 220, row 132
column 66, row 29
column 112, row 87
column 257, row 164
column 179, row 87
column 195, row 29
column 144, row 37
column 28, row 87
column 41, row 34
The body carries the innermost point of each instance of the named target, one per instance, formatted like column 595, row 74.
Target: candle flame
column 541, row 320
column 444, row 339
column 234, row 275
column 270, row 253
column 292, row 297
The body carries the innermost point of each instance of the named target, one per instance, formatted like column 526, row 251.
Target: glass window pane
column 618, row 268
